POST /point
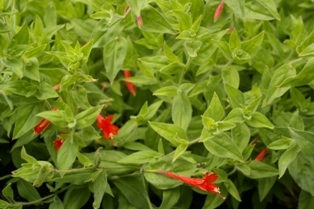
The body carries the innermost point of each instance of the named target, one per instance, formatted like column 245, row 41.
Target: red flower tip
column 126, row 9
column 139, row 21
column 129, row 85
column 43, row 124
column 58, row 143
column 56, row 87
column 206, row 183
column 109, row 130
column 219, row 10
column 261, row 155
column 229, row 31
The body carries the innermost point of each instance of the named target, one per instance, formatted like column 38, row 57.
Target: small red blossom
column 56, row 87
column 229, row 31
column 219, row 10
column 42, row 125
column 109, row 130
column 58, row 143
column 205, row 183
column 261, row 155
column 129, row 85
column 139, row 20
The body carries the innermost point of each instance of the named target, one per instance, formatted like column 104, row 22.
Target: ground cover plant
column 143, row 104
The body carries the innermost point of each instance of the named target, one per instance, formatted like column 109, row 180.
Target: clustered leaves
column 118, row 103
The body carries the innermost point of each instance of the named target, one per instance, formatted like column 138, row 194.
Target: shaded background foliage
column 210, row 96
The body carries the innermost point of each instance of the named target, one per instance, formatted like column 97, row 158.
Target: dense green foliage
column 210, row 96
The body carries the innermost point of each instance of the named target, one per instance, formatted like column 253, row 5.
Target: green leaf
column 236, row 97
column 135, row 191
column 274, row 90
column 140, row 157
column 27, row 190
column 304, row 139
column 223, row 146
column 237, row 6
column 55, row 117
column 264, row 186
column 301, row 170
column 166, row 91
column 113, row 55
column 261, row 170
column 181, row 111
column 232, row 190
column 46, row 91
column 230, row 75
column 224, row 48
column 99, row 188
column 154, row 21
column 136, row 6
column 16, row 65
column 253, row 45
column 234, row 41
column 306, row 200
column 7, row 192
column 66, row 155
column 169, row 198
column 87, row 117
column 258, row 120
column 281, row 144
column 241, row 135
column 215, row 110
column 180, row 150
column 170, row 132
column 303, row 78
column 270, row 5
column 31, row 69
column 21, row 87
column 235, row 116
column 56, row 204
column 24, row 119
column 286, row 158
column 76, row 197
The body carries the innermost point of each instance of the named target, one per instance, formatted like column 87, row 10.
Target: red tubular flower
column 219, row 10
column 58, row 143
column 56, row 87
column 109, row 130
column 261, row 155
column 129, row 85
column 42, row 125
column 205, row 183
column 139, row 20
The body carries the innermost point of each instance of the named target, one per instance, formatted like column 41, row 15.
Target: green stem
column 5, row 177
column 44, row 198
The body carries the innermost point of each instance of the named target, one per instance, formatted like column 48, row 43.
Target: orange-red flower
column 109, row 130
column 219, row 10
column 206, row 183
column 58, row 143
column 129, row 85
column 261, row 155
column 43, row 124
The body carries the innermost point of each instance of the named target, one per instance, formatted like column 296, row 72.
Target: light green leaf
column 223, row 146
column 270, row 5
column 181, row 111
column 171, row 132
column 113, row 56
column 215, row 110
column 286, row 158
column 258, row 120
column 301, row 170
column 66, row 155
